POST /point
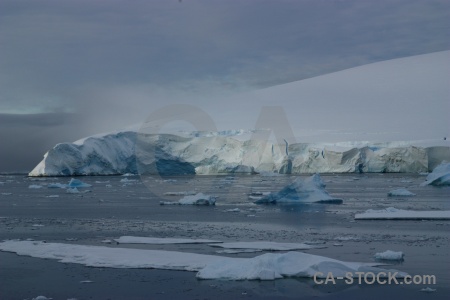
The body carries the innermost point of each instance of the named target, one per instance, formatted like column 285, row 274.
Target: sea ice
column 392, row 213
column 271, row 266
column 267, row 246
column 439, row 176
column 309, row 190
column 400, row 192
column 160, row 241
column 264, row 267
column 72, row 191
column 389, row 255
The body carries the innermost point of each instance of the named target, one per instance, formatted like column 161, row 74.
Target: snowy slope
column 119, row 153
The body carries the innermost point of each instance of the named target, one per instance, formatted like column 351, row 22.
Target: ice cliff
column 165, row 154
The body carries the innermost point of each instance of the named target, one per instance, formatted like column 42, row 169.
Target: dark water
column 114, row 208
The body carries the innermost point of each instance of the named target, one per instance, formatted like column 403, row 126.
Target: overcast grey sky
column 73, row 68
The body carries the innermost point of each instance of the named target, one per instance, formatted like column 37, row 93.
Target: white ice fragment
column 400, row 192
column 233, row 210
column 126, row 180
column 53, row 196
column 198, row 199
column 41, row 298
column 35, row 186
column 86, row 281
column 389, row 255
column 428, row 290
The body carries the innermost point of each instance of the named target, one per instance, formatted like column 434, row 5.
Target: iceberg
column 400, row 193
column 440, row 175
column 309, row 190
column 128, row 152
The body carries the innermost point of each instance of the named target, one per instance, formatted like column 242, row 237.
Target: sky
column 69, row 69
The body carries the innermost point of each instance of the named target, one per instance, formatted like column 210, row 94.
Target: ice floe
column 400, row 193
column 389, row 255
column 160, row 241
column 309, row 190
column 267, row 246
column 197, row 199
column 264, row 267
column 35, row 186
column 392, row 213
column 272, row 266
column 76, row 183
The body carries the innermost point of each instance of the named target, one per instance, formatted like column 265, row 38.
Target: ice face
column 118, row 153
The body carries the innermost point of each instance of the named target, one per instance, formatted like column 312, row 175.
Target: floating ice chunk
column 428, row 290
column 309, row 190
column 41, row 298
column 392, row 213
column 76, row 183
column 160, row 241
column 53, row 196
column 128, row 174
column 126, row 180
column 268, row 246
column 6, row 194
column 439, row 176
column 267, row 266
column 72, row 191
column 86, row 281
column 389, row 255
column 56, row 185
column 35, row 186
column 198, row 199
column 400, row 192
column 233, row 210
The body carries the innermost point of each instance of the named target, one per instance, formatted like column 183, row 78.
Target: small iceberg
column 400, row 193
column 309, row 190
column 56, row 185
column 440, row 175
column 389, row 255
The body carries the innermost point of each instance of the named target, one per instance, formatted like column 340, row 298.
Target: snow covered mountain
column 165, row 154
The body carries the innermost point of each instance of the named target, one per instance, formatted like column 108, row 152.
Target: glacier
column 136, row 152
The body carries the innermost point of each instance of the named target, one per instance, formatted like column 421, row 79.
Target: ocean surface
column 115, row 206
